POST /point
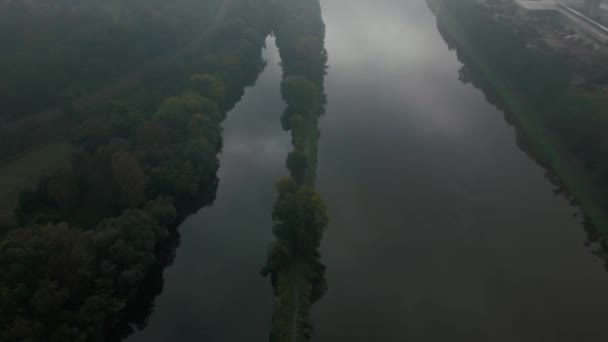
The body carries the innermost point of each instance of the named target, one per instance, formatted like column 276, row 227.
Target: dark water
column 442, row 229
column 214, row 291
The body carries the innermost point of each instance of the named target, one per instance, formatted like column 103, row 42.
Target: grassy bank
column 547, row 144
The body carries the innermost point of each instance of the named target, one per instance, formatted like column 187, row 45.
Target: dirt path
column 296, row 312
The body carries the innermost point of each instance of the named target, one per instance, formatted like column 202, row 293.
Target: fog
column 333, row 170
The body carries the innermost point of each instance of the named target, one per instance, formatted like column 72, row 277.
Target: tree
column 278, row 257
column 210, row 86
column 125, row 247
column 61, row 189
column 93, row 134
column 299, row 216
column 200, row 127
column 162, row 210
column 312, row 218
column 130, row 179
column 46, row 274
column 151, row 135
column 297, row 163
column 175, row 113
column 299, row 93
column 298, row 130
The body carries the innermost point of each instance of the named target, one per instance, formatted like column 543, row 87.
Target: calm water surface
column 214, row 291
column 442, row 229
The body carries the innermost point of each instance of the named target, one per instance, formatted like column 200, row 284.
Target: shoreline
column 543, row 145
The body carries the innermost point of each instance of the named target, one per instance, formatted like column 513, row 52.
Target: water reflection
column 469, row 73
column 441, row 228
column 214, row 281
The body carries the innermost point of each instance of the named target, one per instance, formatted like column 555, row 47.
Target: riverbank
column 136, row 168
column 547, row 143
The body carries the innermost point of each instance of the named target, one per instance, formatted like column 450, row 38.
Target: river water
column 214, row 290
column 442, row 228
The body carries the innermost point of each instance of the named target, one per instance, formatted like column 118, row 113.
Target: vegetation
column 22, row 172
column 299, row 215
column 48, row 53
column 89, row 233
column 562, row 129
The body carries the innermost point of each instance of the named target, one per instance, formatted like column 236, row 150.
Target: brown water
column 442, row 228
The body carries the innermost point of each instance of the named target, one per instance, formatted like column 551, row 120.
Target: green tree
column 151, row 135
column 175, row 113
column 299, row 216
column 129, row 177
column 210, row 86
column 297, row 164
column 299, row 93
column 46, row 272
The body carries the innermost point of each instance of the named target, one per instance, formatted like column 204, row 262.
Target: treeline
column 54, row 51
column 299, row 215
column 563, row 127
column 89, row 234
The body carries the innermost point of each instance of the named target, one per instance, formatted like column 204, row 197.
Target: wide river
column 442, row 228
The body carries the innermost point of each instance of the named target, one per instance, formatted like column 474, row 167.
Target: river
column 441, row 227
column 214, row 290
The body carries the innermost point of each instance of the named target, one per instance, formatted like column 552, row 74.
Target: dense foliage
column 56, row 50
column 60, row 283
column 299, row 215
column 90, row 233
